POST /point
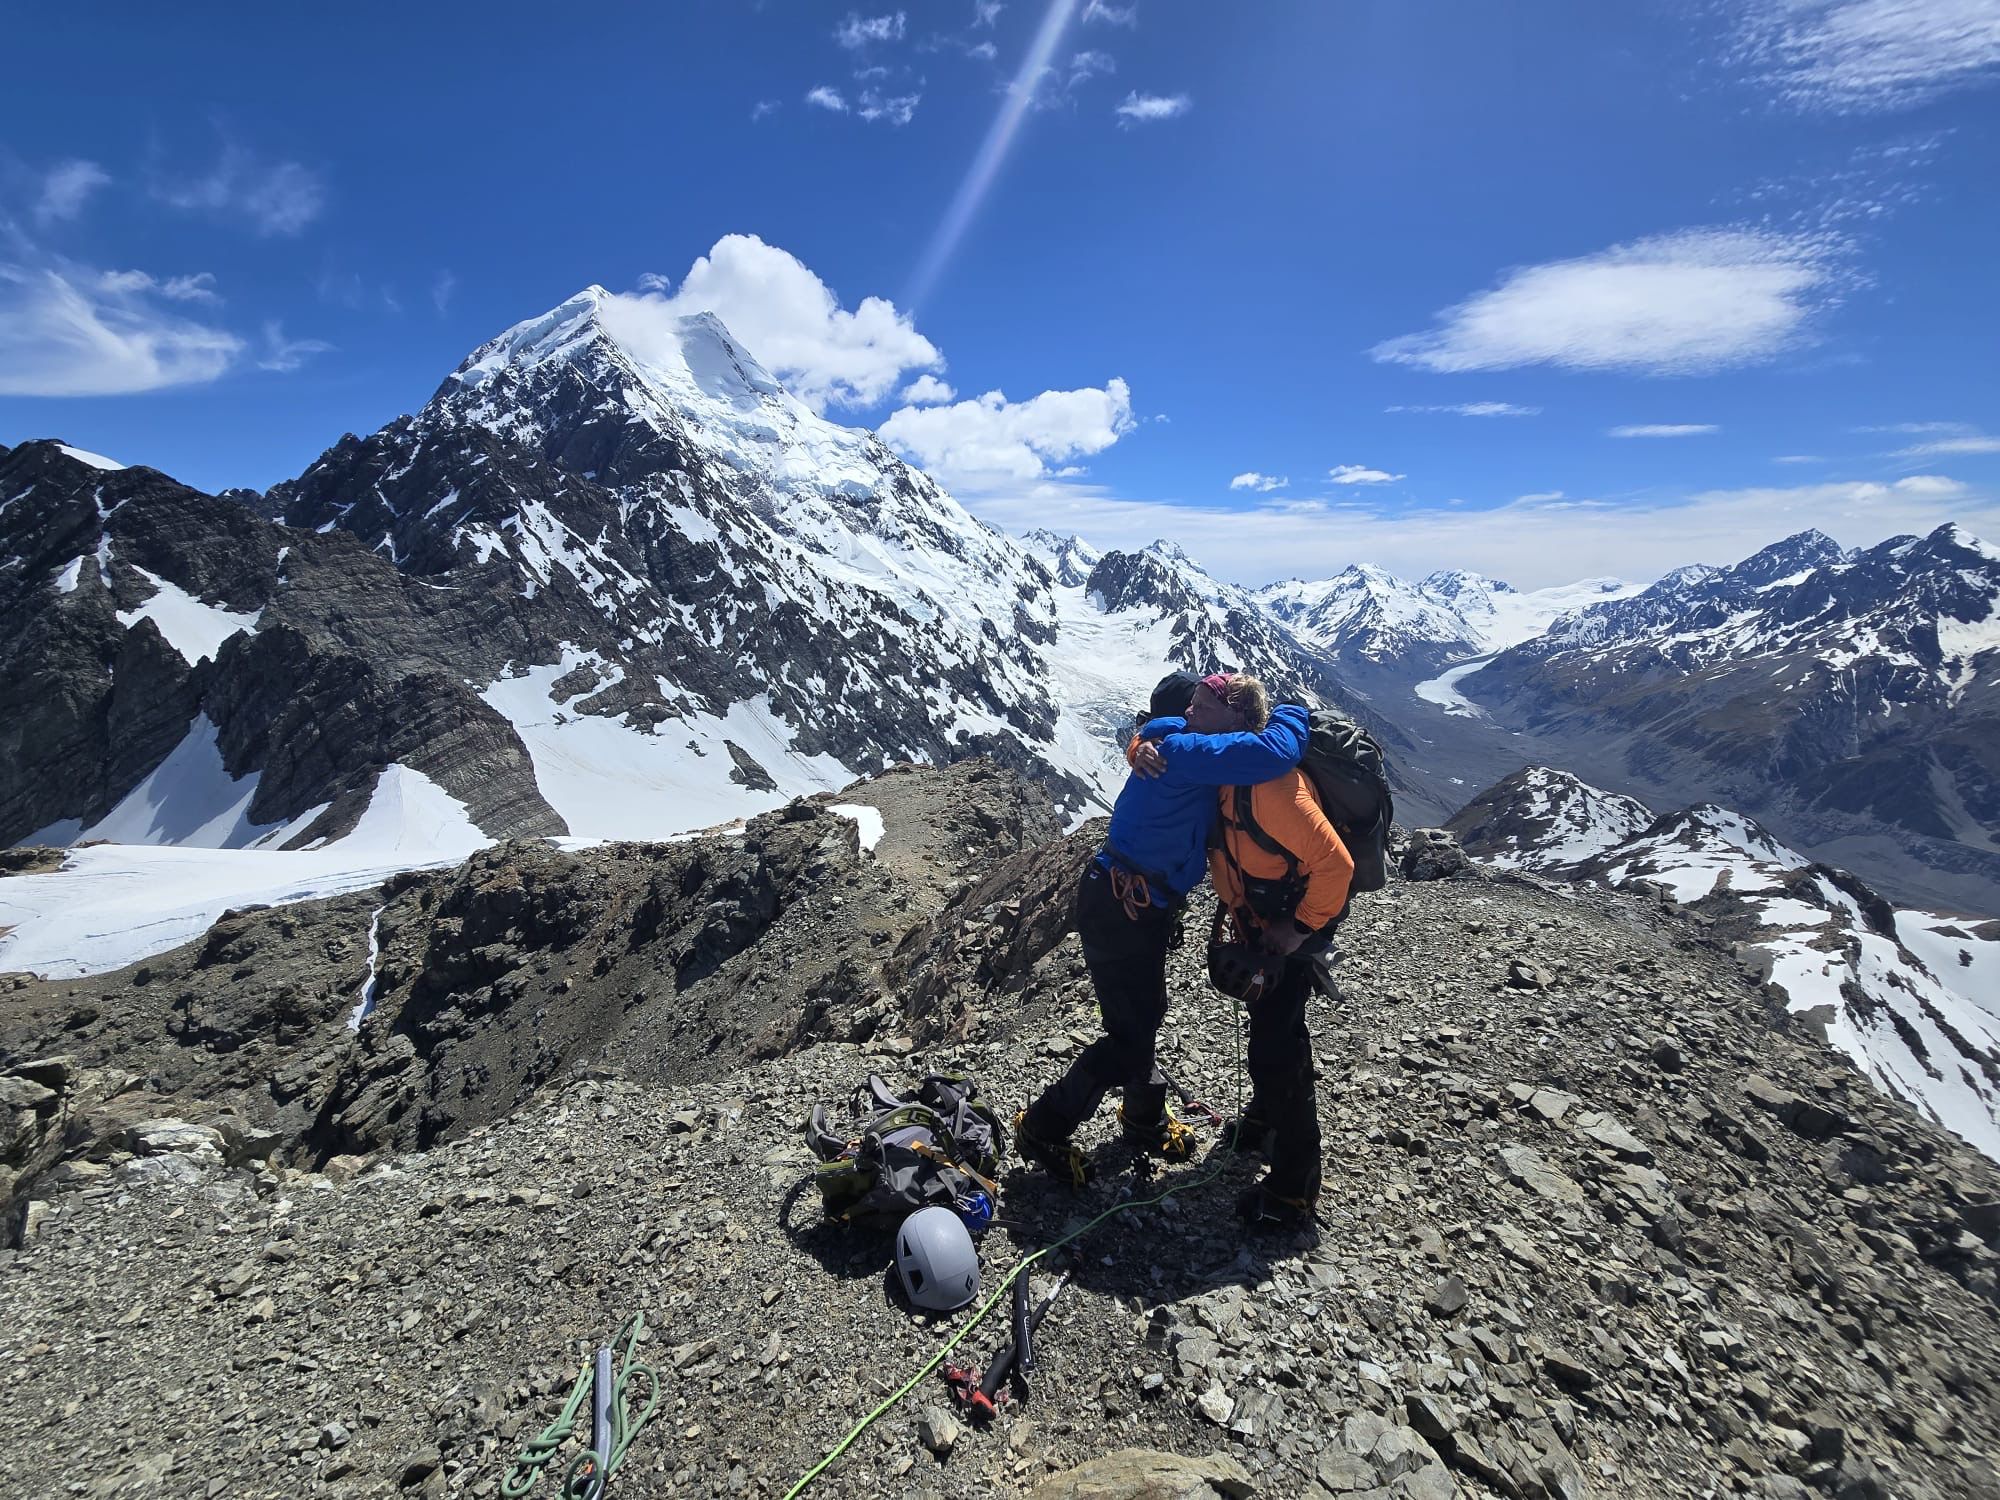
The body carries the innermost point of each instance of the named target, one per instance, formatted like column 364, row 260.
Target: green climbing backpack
column 894, row 1155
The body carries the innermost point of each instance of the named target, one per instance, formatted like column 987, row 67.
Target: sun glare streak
column 992, row 152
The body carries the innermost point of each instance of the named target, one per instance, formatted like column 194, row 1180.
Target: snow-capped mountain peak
column 1911, row 996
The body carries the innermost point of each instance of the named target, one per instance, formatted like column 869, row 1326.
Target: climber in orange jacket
column 1284, row 892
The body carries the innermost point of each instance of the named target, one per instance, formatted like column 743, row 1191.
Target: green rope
column 1014, row 1275
column 582, row 1479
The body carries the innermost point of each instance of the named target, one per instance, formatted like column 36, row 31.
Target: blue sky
column 1542, row 289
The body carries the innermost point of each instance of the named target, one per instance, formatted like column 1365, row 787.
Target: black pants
column 1127, row 959
column 1281, row 1081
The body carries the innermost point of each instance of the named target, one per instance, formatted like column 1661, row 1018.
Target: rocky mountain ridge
column 1601, row 1220
column 1912, row 997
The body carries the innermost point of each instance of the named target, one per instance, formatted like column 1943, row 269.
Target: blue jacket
column 1159, row 825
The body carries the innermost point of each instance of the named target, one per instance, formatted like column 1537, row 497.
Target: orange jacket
column 1288, row 812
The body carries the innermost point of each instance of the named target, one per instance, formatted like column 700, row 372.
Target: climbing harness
column 983, row 1396
column 1222, row 1161
column 612, row 1428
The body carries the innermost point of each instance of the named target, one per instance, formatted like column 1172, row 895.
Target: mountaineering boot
column 1165, row 1137
column 1063, row 1157
column 1249, row 1134
column 1265, row 1212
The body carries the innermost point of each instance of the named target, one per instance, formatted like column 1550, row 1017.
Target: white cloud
column 927, row 390
column 1085, row 66
column 897, row 110
column 1663, row 430
column 790, row 320
column 1533, row 542
column 1850, row 55
column 1140, row 109
column 277, row 198
column 827, row 98
column 1916, row 429
column 68, row 332
column 762, row 109
column 1541, row 495
column 66, row 189
column 991, row 443
column 1946, row 447
column 1678, row 304
column 1262, row 483
column 1360, row 474
column 199, row 287
column 857, row 31
column 985, row 12
column 442, row 289
column 1105, row 13
column 1476, row 409
column 281, row 353
column 1798, row 458
column 984, row 51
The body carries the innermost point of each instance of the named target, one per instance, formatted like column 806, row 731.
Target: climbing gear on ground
column 1265, row 1212
column 1166, row 1137
column 936, row 1260
column 1237, row 967
column 975, row 1210
column 613, row 1428
column 1348, row 773
column 896, row 1155
column 1064, row 1158
column 982, row 1396
column 1187, row 1098
column 1021, row 1269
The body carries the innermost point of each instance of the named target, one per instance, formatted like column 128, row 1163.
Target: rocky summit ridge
column 1601, row 1218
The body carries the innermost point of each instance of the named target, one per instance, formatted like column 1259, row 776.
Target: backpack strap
column 1247, row 821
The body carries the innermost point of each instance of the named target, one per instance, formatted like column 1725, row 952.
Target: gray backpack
column 895, row 1155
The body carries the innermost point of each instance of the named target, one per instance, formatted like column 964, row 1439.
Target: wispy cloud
column 199, row 287
column 763, row 109
column 66, row 331
column 788, row 318
column 1105, row 13
column 986, row 12
column 1951, row 446
column 857, row 31
column 1143, row 109
column 1084, row 66
column 1798, row 458
column 1475, row 409
column 989, row 442
column 896, row 110
column 283, row 354
column 1855, row 55
column 824, row 97
column 1917, row 429
column 66, row 189
column 442, row 288
column 275, row 198
column 1663, row 430
column 1262, row 483
column 1687, row 303
column 1361, row 474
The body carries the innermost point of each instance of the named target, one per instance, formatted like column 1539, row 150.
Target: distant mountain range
column 614, row 580
column 1913, row 997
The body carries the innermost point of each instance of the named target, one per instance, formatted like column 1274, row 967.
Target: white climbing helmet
column 935, row 1258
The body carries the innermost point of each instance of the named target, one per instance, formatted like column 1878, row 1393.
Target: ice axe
column 982, row 1398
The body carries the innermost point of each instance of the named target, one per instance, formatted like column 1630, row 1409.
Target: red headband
column 1218, row 684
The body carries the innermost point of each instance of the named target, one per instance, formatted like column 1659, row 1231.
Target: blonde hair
column 1248, row 697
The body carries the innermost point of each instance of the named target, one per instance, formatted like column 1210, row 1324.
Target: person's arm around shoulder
column 1241, row 759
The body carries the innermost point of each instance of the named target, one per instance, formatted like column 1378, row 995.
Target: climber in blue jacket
column 1128, row 904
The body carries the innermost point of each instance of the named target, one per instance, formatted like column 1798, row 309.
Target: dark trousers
column 1127, row 958
column 1281, row 1081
